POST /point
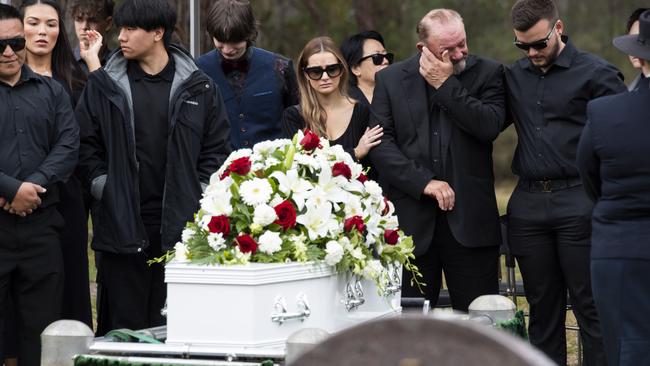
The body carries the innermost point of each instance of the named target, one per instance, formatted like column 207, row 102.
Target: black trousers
column 622, row 293
column 31, row 270
column 550, row 233
column 132, row 292
column 469, row 272
column 74, row 245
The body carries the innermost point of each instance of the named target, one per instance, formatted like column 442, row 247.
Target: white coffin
column 233, row 306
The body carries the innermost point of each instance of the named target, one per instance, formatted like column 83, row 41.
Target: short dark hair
column 8, row 12
column 232, row 21
column 98, row 9
column 147, row 15
column 634, row 17
column 526, row 13
column 352, row 49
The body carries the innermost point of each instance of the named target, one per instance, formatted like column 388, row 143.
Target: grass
column 503, row 191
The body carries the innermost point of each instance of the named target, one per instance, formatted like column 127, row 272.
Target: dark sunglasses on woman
column 16, row 44
column 378, row 58
column 316, row 72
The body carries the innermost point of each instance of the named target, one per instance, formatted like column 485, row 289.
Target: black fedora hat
column 637, row 45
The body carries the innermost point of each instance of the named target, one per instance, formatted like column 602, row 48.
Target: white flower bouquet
column 296, row 201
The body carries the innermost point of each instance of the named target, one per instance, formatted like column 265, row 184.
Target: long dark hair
column 64, row 67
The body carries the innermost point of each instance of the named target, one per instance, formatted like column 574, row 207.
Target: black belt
column 548, row 185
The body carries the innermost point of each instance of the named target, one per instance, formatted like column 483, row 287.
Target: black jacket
column 473, row 106
column 197, row 146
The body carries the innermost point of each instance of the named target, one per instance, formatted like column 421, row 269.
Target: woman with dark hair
column 366, row 55
column 49, row 54
column 325, row 106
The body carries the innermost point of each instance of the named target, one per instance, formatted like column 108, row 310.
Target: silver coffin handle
column 281, row 314
column 353, row 296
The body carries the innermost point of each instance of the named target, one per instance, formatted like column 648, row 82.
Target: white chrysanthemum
column 318, row 220
column 180, row 252
column 256, row 191
column 187, row 235
column 373, row 270
column 269, row 242
column 264, row 215
column 216, row 241
column 334, row 253
column 374, row 190
column 307, row 161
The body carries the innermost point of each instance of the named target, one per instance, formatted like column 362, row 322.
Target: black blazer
column 614, row 162
column 473, row 105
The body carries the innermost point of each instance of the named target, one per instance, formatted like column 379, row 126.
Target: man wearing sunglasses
column 549, row 214
column 441, row 109
column 39, row 142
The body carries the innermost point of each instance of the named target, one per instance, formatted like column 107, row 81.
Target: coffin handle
column 281, row 314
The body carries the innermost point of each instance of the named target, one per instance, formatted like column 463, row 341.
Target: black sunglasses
column 316, row 72
column 16, row 44
column 538, row 45
column 378, row 58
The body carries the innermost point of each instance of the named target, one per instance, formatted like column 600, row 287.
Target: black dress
column 292, row 121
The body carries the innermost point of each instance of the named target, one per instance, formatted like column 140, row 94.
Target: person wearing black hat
column 614, row 162
column 633, row 28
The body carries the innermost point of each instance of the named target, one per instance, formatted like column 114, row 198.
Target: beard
column 459, row 66
column 545, row 61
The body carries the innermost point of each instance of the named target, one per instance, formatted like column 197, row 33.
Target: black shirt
column 39, row 138
column 151, row 97
column 549, row 109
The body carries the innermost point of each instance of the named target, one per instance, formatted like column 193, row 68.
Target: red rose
column 240, row 166
column 386, row 209
column 391, row 236
column 354, row 222
column 310, row 141
column 362, row 178
column 286, row 215
column 341, row 168
column 219, row 224
column 225, row 174
column 246, row 244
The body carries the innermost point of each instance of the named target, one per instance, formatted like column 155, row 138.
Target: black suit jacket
column 473, row 106
column 614, row 162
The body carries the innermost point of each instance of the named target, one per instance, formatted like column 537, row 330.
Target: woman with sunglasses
column 325, row 107
column 49, row 54
column 366, row 55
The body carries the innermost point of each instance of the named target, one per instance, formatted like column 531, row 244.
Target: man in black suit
column 614, row 162
column 441, row 109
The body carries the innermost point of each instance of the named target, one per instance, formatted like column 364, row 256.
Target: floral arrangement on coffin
column 297, row 200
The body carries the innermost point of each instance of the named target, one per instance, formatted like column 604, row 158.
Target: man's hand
column 26, row 199
column 89, row 51
column 442, row 192
column 433, row 70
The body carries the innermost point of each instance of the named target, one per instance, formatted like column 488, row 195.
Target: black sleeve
column 215, row 146
column 606, row 80
column 92, row 153
column 588, row 162
column 483, row 116
column 291, row 122
column 64, row 146
column 291, row 91
column 399, row 170
column 359, row 123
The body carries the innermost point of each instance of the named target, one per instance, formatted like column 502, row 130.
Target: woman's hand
column 89, row 51
column 371, row 138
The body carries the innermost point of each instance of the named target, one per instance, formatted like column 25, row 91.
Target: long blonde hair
column 310, row 108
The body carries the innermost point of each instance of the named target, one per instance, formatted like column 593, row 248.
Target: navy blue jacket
column 614, row 163
column 270, row 87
